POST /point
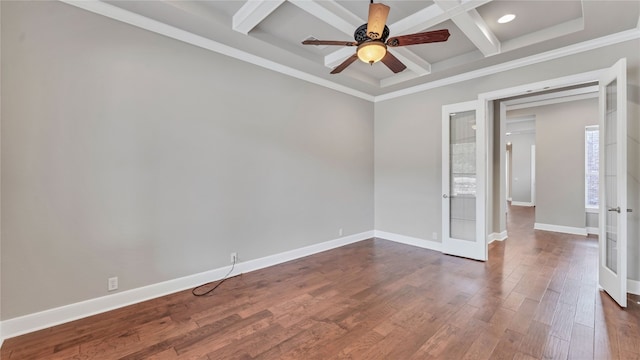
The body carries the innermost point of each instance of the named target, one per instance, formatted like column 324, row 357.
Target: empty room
column 319, row 179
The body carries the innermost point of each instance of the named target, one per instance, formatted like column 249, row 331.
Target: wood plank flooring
column 535, row 298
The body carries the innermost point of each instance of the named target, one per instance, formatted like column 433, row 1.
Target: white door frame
column 614, row 282
column 533, row 175
column 488, row 97
column 565, row 81
column 477, row 248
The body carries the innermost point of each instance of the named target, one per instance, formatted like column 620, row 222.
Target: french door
column 463, row 181
column 612, row 262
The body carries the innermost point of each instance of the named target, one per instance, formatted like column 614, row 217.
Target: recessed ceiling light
column 506, row 18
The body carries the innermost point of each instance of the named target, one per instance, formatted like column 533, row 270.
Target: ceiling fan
column 371, row 40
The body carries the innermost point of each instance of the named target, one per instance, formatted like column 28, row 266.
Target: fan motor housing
column 360, row 35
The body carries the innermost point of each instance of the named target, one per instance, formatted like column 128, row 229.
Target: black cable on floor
column 209, row 283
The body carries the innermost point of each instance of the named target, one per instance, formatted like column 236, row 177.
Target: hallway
column 560, row 271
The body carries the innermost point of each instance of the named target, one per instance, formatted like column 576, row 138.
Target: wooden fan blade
column 378, row 14
column 344, row 64
column 419, row 38
column 393, row 63
column 329, row 42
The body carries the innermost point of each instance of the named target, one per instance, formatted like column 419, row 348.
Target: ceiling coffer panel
column 476, row 40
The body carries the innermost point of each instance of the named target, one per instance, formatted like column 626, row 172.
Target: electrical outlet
column 234, row 257
column 112, row 284
column 434, row 236
column 340, row 232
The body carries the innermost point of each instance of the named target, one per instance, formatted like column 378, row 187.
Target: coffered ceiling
column 269, row 33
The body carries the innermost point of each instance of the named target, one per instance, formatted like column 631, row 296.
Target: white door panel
column 463, row 181
column 612, row 264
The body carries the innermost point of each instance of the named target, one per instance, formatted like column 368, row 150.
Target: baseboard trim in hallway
column 633, row 287
column 408, row 240
column 561, row 229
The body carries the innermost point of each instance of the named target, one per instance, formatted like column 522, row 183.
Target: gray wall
column 591, row 219
column 521, row 166
column 408, row 138
column 125, row 153
column 560, row 161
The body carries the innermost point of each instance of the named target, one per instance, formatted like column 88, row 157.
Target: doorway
column 557, row 122
column 612, row 90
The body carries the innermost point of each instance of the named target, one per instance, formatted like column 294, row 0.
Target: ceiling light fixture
column 372, row 40
column 372, row 51
column 506, row 18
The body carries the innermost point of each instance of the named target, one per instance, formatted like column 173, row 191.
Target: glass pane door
column 462, row 175
column 610, row 178
column 612, row 263
column 463, row 180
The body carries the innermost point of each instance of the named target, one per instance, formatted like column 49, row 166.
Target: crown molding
column 116, row 13
column 612, row 39
column 143, row 22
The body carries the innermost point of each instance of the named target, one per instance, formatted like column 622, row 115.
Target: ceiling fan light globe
column 371, row 52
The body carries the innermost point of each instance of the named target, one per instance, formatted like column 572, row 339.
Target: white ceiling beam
column 252, row 13
column 545, row 34
column 472, row 25
column 335, row 58
column 428, row 17
column 473, row 4
column 413, row 62
column 397, row 78
column 417, row 22
column 416, row 67
column 332, row 13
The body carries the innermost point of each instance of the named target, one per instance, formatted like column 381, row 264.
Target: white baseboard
column 521, row 203
column 501, row 236
column 408, row 240
column 593, row 230
column 633, row 286
column 561, row 229
column 44, row 319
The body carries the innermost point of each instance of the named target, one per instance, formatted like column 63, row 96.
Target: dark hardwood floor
column 535, row 298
